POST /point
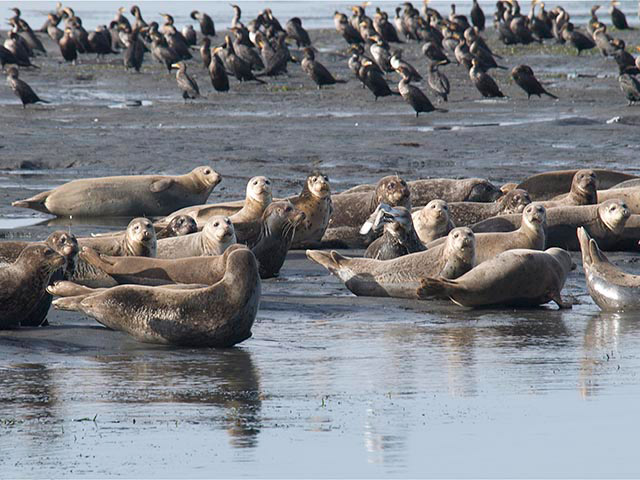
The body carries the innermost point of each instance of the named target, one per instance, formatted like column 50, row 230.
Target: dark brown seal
column 315, row 202
column 178, row 226
column 468, row 213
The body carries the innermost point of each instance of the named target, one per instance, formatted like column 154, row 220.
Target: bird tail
column 442, row 110
column 43, row 101
column 550, row 95
column 339, row 80
column 501, row 67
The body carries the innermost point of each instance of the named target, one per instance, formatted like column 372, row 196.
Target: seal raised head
column 179, row 225
column 433, row 221
column 584, row 191
column 257, row 199
column 399, row 236
column 315, row 202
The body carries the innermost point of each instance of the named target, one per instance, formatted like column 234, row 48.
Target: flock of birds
column 260, row 48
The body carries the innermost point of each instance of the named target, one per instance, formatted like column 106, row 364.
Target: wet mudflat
column 330, row 384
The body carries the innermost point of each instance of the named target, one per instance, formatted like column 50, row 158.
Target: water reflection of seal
column 520, row 277
column 220, row 315
column 610, row 288
column 399, row 277
column 124, row 196
column 216, row 236
column 23, row 282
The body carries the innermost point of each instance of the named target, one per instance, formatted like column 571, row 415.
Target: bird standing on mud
column 413, row 95
column 316, row 71
column 525, row 79
column 187, row 85
column 21, row 88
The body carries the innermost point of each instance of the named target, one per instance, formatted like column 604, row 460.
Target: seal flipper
column 96, row 259
column 70, row 289
column 35, row 203
column 329, row 260
column 161, row 185
column 71, row 304
column 431, row 287
column 555, row 297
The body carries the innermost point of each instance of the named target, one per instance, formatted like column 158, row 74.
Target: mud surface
column 330, row 384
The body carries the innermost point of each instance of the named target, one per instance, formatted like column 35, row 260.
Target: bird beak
column 175, row 65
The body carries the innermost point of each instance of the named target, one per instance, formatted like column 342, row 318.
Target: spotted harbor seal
column 351, row 210
column 216, row 236
column 447, row 189
column 520, row 278
column 530, row 235
column 220, row 315
column 23, row 282
column 605, row 222
column 468, row 213
column 400, row 277
column 630, row 196
column 315, row 202
column 545, row 186
column 399, row 237
column 433, row 221
column 61, row 242
column 584, row 191
column 178, row 226
column 126, row 196
column 258, row 197
column 610, row 288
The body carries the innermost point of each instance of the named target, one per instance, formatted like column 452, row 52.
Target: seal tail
column 329, row 260
column 430, row 287
column 69, row 289
column 35, row 203
column 70, row 304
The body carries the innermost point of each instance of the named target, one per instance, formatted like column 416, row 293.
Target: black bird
column 100, row 41
column 344, row 28
column 433, row 52
column 578, row 40
column 217, row 72
column 134, row 53
column 68, row 47
column 240, row 69
column 630, row 86
column 318, row 72
column 384, row 28
column 296, row 31
column 373, row 79
column 205, row 52
column 275, row 58
column 207, row 28
column 139, row 23
column 486, row 85
column 21, row 88
column 438, row 81
column 525, row 79
column 161, row 52
column 186, row 84
column 477, row 16
column 7, row 57
column 413, row 95
column 618, row 18
column 190, row 35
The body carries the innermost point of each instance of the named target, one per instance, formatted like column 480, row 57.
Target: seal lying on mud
column 400, row 277
column 433, row 221
column 530, row 235
column 468, row 213
column 220, row 315
column 545, row 186
column 351, row 210
column 605, row 222
column 399, row 237
column 447, row 189
column 126, row 196
column 584, row 191
column 23, row 282
column 315, row 202
column 258, row 197
column 630, row 196
column 522, row 278
column 178, row 226
column 610, row 288
column 216, row 236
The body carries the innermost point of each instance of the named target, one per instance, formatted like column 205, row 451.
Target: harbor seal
column 220, row 315
column 178, row 226
column 584, row 191
column 24, row 281
column 315, row 202
column 447, row 189
column 126, row 196
column 398, row 239
column 545, row 186
column 468, row 213
column 258, row 197
column 610, row 288
column 518, row 278
column 217, row 235
column 606, row 222
column 400, row 277
column 630, row 196
column 433, row 221
column 530, row 235
column 351, row 210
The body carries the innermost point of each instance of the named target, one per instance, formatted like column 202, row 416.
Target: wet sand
column 330, row 384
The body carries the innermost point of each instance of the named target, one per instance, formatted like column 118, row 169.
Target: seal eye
column 137, row 227
column 227, row 221
column 216, row 224
column 444, row 207
column 456, row 235
column 207, row 172
column 288, row 209
column 268, row 182
column 391, row 185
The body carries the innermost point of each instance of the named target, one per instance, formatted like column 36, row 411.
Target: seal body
column 217, row 235
column 126, row 196
column 399, row 277
column 315, row 202
column 24, row 281
column 178, row 226
column 520, row 278
column 433, row 221
column 584, row 191
column 468, row 213
column 610, row 288
column 398, row 239
column 220, row 315
column 630, row 196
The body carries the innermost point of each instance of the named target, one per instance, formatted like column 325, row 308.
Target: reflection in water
column 600, row 345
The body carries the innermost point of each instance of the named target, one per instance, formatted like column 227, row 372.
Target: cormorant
column 525, row 79
column 578, row 40
column 22, row 90
column 630, row 86
column 373, row 78
column 486, row 85
column 397, row 62
column 205, row 52
column 296, row 31
column 384, row 28
column 207, row 28
column 190, row 35
column 344, row 28
column 68, row 47
column 186, row 84
column 217, row 72
column 413, row 95
column 433, row 52
column 318, row 72
column 134, row 53
column 438, row 81
column 240, row 69
column 477, row 16
column 618, row 18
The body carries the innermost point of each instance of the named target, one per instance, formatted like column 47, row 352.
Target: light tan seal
column 468, row 213
column 23, row 282
column 584, row 191
column 126, row 196
column 257, row 198
column 630, row 196
column 530, row 235
column 433, row 221
column 217, row 235
column 518, row 278
column 220, row 315
column 315, row 202
column 400, row 277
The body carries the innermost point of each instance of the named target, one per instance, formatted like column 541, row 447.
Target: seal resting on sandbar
column 433, row 221
column 126, row 196
column 178, row 226
column 584, row 191
column 315, row 202
column 216, row 236
column 518, row 278
column 400, row 277
column 220, row 315
column 399, row 238
column 610, row 288
column 468, row 213
column 23, row 282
